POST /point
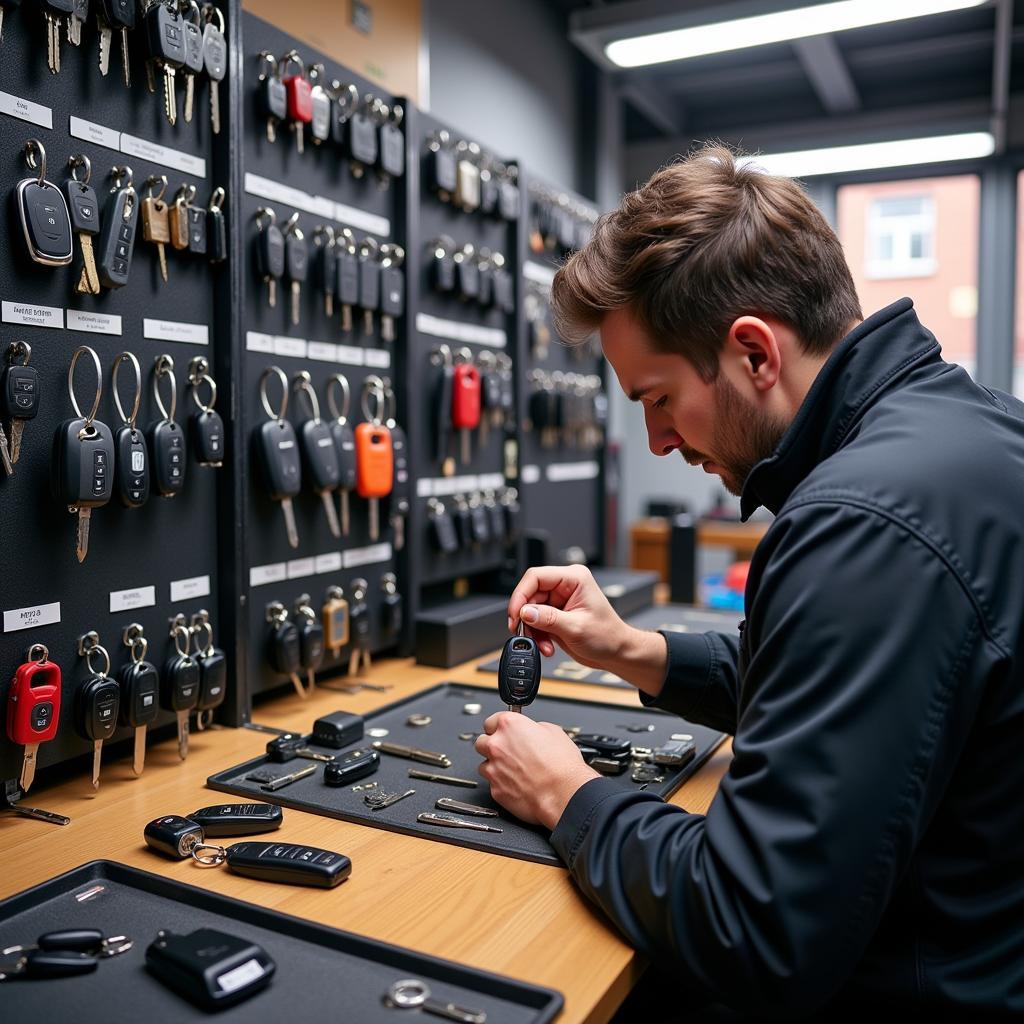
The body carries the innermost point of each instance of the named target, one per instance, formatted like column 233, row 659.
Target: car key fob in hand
column 519, row 671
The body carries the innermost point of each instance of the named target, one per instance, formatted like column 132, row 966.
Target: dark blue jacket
column 867, row 841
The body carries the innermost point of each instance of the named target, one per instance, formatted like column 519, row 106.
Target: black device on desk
column 519, row 671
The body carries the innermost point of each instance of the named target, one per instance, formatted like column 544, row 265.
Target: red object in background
column 33, row 704
column 736, row 576
column 466, row 397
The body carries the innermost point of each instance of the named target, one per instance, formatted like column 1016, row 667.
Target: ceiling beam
column 661, row 108
column 824, row 66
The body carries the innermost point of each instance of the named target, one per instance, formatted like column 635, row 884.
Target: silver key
column 447, row 821
column 411, row 994
column 77, row 18
column 446, row 803
column 378, row 801
column 5, row 454
column 106, row 34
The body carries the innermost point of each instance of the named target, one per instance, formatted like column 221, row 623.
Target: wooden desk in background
column 649, row 541
column 496, row 913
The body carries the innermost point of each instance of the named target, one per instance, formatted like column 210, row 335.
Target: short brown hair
column 704, row 242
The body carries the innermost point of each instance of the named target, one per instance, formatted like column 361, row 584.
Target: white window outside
column 901, row 237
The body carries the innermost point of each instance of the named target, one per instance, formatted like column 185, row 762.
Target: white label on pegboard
column 174, row 330
column 299, row 567
column 186, row 590
column 362, row 220
column 285, row 346
column 137, row 597
column 378, row 357
column 351, row 356
column 146, row 150
column 32, row 315
column 453, row 330
column 323, row 351
column 93, row 323
column 367, row 555
column 562, row 471
column 97, row 134
column 26, row 110
column 331, row 562
column 529, row 474
column 257, row 342
column 276, row 572
column 29, row 618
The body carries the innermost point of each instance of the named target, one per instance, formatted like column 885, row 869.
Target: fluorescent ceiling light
column 901, row 153
column 779, row 27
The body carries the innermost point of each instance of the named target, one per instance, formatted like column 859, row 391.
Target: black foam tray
column 321, row 972
column 444, row 704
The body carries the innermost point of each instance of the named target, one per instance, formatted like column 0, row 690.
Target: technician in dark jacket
column 867, row 842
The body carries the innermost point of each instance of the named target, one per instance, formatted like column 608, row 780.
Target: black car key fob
column 210, row 968
column 237, row 819
column 675, row 753
column 519, row 672
column 337, row 730
column 350, row 767
column 288, row 863
column 605, row 746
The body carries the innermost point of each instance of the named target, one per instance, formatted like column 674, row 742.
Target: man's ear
column 752, row 349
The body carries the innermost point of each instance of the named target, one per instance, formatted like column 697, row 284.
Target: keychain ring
column 304, row 382
column 220, row 16
column 351, row 94
column 264, row 397
column 129, row 421
column 203, row 624
column 217, row 197
column 187, row 191
column 408, row 993
column 198, row 373
column 346, row 237
column 90, row 651
column 177, row 632
column 292, row 225
column 152, row 181
column 290, row 57
column 123, row 177
column 45, row 656
column 442, row 356
column 374, row 386
column 209, row 859
column 77, row 160
column 264, row 211
column 192, row 6
column 321, row 231
column 99, row 384
column 133, row 639
column 32, row 148
column 397, row 114
column 341, row 381
column 266, row 57
column 276, row 612
column 368, row 247
column 19, row 348
column 163, row 366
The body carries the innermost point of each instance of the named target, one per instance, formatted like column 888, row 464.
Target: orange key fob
column 375, row 460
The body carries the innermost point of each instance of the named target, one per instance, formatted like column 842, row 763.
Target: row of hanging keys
column 567, row 408
column 191, row 681
column 462, row 174
column 558, row 223
column 364, row 127
column 52, row 218
column 478, row 276
column 370, row 459
column 473, row 394
column 360, row 274
column 89, row 461
column 468, row 522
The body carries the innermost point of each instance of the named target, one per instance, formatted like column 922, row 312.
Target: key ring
column 200, row 621
column 276, row 613
column 368, row 248
column 291, row 57
column 322, row 231
column 207, row 9
column 88, row 645
column 186, row 191
column 442, row 356
column 179, row 630
column 304, row 382
column 351, row 94
column 339, row 380
column 391, row 255
column 206, row 859
column 41, row 659
column 32, row 148
column 267, row 58
column 19, row 348
column 198, row 374
column 77, row 160
column 193, row 8
column 133, row 639
column 303, row 607
column 264, row 398
column 123, row 178
column 267, row 212
column 217, row 197
column 163, row 366
column 292, row 225
column 122, row 357
column 99, row 386
column 397, row 114
column 374, row 386
column 152, row 181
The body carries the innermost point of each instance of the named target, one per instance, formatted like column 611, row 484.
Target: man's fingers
column 545, row 578
column 491, row 723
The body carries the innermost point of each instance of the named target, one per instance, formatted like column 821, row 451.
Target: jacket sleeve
column 701, row 679
column 861, row 636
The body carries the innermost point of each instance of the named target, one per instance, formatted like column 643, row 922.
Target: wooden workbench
column 500, row 914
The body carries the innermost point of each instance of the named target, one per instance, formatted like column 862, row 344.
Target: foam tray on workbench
column 321, row 972
column 444, row 704
column 676, row 618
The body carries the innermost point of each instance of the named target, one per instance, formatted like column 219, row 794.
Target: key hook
column 397, row 114
column 41, row 657
column 442, row 356
column 346, row 237
column 127, row 357
column 200, row 622
column 163, row 366
column 369, row 248
column 217, row 198
column 179, row 630
column 291, row 57
column 123, row 177
column 265, row 216
column 302, row 607
column 77, row 160
column 209, row 10
column 135, row 641
column 276, row 612
column 292, row 225
column 199, row 374
column 88, row 645
column 186, row 193
column 304, row 382
column 19, row 348
column 347, row 97
column 34, row 148
column 322, row 231
column 99, row 385
column 152, row 181
column 373, row 386
column 267, row 59
column 339, row 380
column 193, row 8
column 269, row 372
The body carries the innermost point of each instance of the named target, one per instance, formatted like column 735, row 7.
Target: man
column 866, row 845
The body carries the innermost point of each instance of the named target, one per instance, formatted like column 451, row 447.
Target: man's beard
column 743, row 436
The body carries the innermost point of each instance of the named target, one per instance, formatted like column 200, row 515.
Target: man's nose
column 662, row 438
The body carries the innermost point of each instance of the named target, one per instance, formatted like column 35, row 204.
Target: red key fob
column 300, row 98
column 466, row 397
column 375, row 460
column 33, row 704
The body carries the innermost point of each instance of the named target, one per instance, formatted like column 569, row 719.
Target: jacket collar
column 868, row 360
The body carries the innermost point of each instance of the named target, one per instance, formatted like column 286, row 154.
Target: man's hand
column 563, row 603
column 533, row 767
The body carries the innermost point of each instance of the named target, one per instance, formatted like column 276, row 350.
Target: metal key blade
column 182, row 734
column 90, row 277
column 82, row 533
column 346, row 518
column 97, row 757
column 447, row 821
column 40, row 815
column 297, row 683
column 326, row 500
column 125, row 63
column 215, row 106
column 374, row 519
column 190, row 95
column 106, row 34
column 446, row 803
column 289, row 522
column 28, row 767
column 139, row 758
column 451, row 780
column 296, row 302
column 170, row 96
column 5, row 454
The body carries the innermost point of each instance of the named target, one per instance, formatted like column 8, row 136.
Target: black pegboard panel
column 167, row 539
column 369, row 211
column 564, row 470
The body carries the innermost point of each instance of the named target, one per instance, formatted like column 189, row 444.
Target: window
column 901, row 237
column 904, row 226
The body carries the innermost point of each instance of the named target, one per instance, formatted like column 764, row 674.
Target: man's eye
column 661, row 402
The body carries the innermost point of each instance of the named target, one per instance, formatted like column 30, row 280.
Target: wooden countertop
column 510, row 916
